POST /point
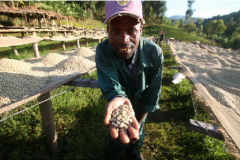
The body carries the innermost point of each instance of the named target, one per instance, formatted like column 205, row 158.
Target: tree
column 215, row 26
column 235, row 38
column 181, row 23
column 199, row 22
column 189, row 12
column 176, row 24
column 190, row 27
column 100, row 9
column 154, row 10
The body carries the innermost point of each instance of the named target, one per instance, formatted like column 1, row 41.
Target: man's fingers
column 108, row 113
column 134, row 133
column 124, row 136
column 127, row 102
column 135, row 123
column 113, row 132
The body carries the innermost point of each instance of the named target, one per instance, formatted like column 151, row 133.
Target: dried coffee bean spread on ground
column 121, row 117
column 21, row 78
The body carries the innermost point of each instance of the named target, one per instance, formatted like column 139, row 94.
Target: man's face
column 124, row 34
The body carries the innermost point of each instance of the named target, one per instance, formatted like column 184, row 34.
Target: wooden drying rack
column 46, row 107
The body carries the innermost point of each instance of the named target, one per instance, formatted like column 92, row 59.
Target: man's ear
column 141, row 28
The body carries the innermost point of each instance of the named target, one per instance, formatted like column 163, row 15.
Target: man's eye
column 133, row 31
column 114, row 31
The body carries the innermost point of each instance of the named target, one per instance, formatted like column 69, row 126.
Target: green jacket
column 114, row 77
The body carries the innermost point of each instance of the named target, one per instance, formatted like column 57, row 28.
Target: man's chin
column 125, row 55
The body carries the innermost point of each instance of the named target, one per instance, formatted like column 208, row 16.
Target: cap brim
column 122, row 13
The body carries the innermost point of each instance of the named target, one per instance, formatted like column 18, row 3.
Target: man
column 129, row 71
column 162, row 33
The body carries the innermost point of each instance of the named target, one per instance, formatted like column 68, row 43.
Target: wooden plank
column 205, row 128
column 51, row 85
column 227, row 117
column 83, row 83
column 48, row 122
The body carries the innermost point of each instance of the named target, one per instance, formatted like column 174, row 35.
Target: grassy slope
column 78, row 118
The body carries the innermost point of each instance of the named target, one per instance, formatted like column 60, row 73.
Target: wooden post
column 15, row 51
column 48, row 122
column 63, row 45
column 86, row 42
column 99, row 40
column 15, row 21
column 25, row 17
column 35, row 48
column 45, row 20
column 78, row 44
column 22, row 34
column 39, row 21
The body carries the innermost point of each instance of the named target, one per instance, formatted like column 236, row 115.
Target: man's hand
column 133, row 128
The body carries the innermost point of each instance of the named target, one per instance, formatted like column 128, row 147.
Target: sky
column 203, row 8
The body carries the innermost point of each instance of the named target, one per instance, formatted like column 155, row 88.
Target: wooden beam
column 83, row 83
column 48, row 122
column 205, row 128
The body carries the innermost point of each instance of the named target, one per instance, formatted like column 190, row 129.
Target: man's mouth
column 123, row 49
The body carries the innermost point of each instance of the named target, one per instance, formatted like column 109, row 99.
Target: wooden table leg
column 48, row 122
column 15, row 51
column 63, row 45
column 78, row 44
column 35, row 49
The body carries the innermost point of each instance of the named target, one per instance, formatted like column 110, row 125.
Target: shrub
column 235, row 42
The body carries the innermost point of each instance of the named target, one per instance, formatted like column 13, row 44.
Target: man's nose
column 124, row 37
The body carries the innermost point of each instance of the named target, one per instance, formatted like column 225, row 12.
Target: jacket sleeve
column 108, row 78
column 154, row 81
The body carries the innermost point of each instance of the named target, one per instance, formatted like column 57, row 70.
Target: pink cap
column 124, row 7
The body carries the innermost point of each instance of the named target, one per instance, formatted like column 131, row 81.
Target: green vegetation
column 177, row 33
column 90, row 14
column 78, row 117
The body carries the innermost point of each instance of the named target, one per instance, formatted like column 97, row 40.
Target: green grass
column 78, row 118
